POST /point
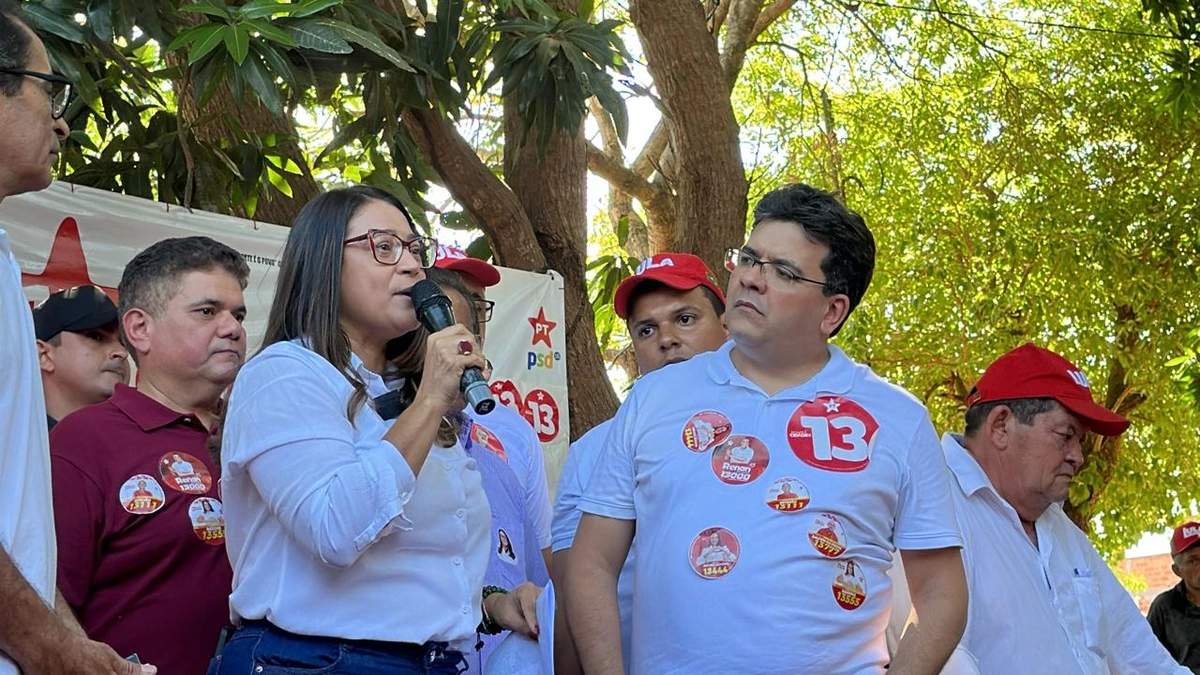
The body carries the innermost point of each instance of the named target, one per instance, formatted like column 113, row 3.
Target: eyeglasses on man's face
column 57, row 87
column 782, row 274
column 484, row 309
column 387, row 247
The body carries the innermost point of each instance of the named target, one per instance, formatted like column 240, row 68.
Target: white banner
column 69, row 235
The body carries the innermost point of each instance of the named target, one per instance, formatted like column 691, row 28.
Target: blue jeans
column 259, row 648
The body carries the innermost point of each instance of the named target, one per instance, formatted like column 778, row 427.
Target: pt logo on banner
column 542, row 330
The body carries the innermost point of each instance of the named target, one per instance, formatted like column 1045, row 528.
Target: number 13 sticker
column 833, row 433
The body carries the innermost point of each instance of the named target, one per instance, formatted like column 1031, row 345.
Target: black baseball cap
column 75, row 310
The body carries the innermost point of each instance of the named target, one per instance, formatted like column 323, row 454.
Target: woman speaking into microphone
column 358, row 544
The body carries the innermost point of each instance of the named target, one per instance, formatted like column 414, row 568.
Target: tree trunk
column 682, row 57
column 552, row 188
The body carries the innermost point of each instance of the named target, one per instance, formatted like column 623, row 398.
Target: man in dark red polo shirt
column 140, row 530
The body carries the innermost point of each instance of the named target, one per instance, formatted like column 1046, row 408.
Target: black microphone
column 435, row 313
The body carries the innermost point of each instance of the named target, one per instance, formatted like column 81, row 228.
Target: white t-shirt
column 845, row 469
column 1054, row 608
column 328, row 530
column 26, row 513
column 577, row 470
column 520, row 447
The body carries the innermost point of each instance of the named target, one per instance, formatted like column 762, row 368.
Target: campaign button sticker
column 787, row 495
column 832, row 433
column 208, row 520
column 714, row 552
column 184, row 473
column 827, row 535
column 141, row 495
column 483, row 437
column 740, row 459
column 706, row 429
column 850, row 585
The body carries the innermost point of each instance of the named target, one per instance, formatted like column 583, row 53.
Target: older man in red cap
column 508, row 434
column 1175, row 614
column 1042, row 600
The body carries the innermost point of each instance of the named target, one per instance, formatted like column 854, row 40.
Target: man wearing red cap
column 1042, row 598
column 673, row 309
column 1175, row 614
column 860, row 455
column 519, row 444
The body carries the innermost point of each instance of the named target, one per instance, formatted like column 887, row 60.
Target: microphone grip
column 475, row 390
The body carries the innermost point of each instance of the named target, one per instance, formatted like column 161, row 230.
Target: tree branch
column 623, row 179
column 769, row 15
column 648, row 160
column 743, row 14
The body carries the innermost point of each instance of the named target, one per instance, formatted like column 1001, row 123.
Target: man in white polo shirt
column 503, row 431
column 1042, row 598
column 804, row 584
column 672, row 307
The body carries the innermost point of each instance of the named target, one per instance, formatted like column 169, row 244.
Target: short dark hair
column 15, row 41
column 851, row 260
column 1024, row 409
column 153, row 276
column 650, row 285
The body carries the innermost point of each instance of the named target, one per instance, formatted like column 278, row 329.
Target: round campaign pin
column 208, row 520
column 705, row 429
column 714, row 552
column 740, row 459
column 141, row 495
column 850, row 585
column 184, row 473
column 788, row 495
column 483, row 437
column 832, row 433
column 827, row 535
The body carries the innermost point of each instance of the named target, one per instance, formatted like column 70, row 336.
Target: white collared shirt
column 1054, row 608
column 522, row 450
column 328, row 530
column 809, row 572
column 26, row 515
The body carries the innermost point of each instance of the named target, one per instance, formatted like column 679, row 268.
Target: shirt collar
column 836, row 377
column 966, row 470
column 145, row 411
column 375, row 383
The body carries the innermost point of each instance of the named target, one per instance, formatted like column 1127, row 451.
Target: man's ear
column 837, row 308
column 998, row 426
column 45, row 360
column 1175, row 569
column 137, row 326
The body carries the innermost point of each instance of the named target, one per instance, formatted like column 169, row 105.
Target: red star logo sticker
column 541, row 328
column 66, row 267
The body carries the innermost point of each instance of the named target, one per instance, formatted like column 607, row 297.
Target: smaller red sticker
column 827, row 535
column 482, row 436
column 740, row 459
column 706, row 429
column 208, row 520
column 714, row 552
column 141, row 495
column 788, row 495
column 850, row 585
column 184, row 473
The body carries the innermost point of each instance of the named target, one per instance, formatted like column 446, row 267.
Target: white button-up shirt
column 328, row 530
column 1054, row 608
column 26, row 516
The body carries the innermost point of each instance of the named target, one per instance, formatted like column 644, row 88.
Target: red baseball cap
column 456, row 260
column 1186, row 536
column 1029, row 371
column 681, row 271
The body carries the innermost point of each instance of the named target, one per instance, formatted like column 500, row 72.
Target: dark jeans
column 259, row 648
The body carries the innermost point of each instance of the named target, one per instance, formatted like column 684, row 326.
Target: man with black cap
column 1042, row 600
column 79, row 350
column 1175, row 614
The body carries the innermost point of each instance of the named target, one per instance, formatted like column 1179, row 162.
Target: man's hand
column 516, row 610
column 80, row 656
